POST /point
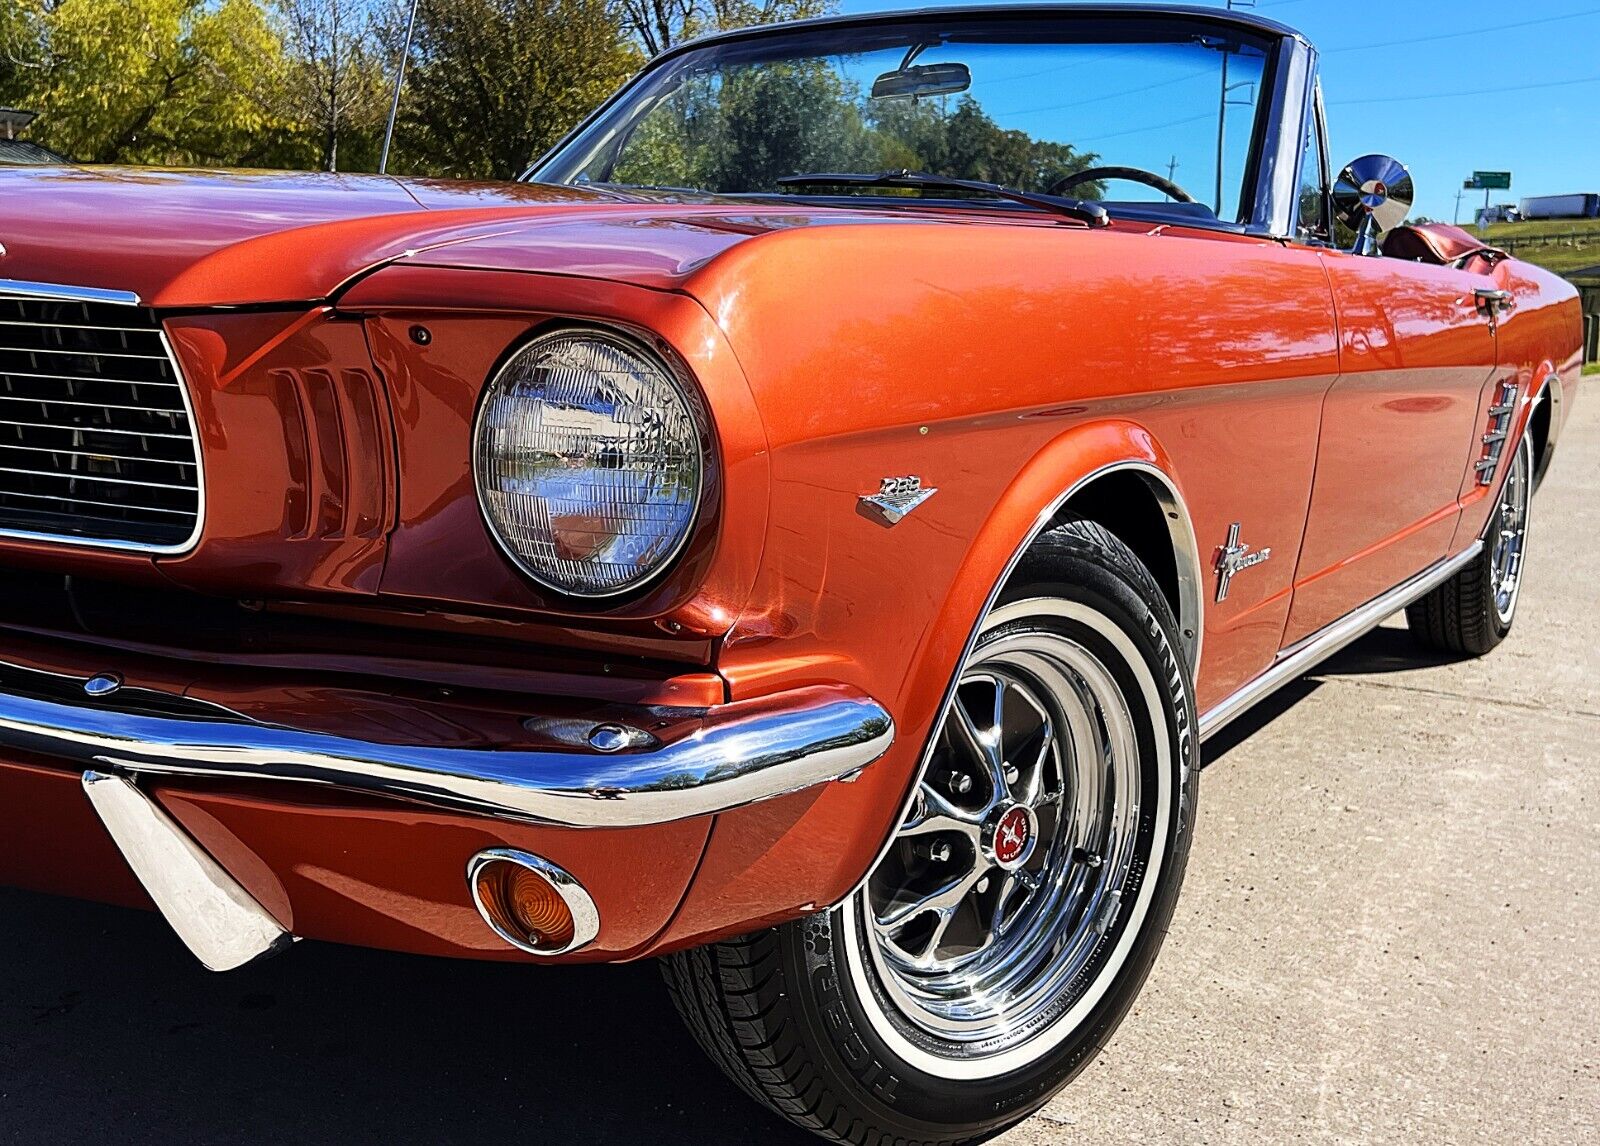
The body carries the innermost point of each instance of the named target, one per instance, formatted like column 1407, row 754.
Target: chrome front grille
column 97, row 443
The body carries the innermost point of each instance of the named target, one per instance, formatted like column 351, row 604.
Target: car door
column 1415, row 352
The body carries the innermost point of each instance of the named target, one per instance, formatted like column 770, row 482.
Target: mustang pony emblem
column 897, row 497
column 1011, row 836
column 1235, row 557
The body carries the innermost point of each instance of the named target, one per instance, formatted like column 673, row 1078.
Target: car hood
column 207, row 238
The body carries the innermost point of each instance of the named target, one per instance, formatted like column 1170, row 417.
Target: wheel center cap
column 1012, row 837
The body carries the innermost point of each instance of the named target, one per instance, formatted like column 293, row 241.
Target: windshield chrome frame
column 1270, row 176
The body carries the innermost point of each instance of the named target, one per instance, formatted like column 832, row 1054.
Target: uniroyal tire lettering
column 1174, row 673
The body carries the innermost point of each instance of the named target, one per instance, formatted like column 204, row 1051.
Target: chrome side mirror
column 1372, row 197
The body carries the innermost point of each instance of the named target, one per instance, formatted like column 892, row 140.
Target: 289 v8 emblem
column 897, row 497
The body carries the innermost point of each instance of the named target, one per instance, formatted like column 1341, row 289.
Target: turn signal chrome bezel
column 565, row 893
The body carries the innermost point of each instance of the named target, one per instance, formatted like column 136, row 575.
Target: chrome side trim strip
column 732, row 755
column 58, row 293
column 217, row 919
column 1294, row 661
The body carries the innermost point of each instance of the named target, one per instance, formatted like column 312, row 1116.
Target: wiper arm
column 664, row 187
column 1091, row 213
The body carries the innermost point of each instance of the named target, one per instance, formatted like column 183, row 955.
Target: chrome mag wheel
column 1511, row 533
column 1021, row 896
column 999, row 902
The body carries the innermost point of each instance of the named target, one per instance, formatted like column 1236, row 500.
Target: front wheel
column 1016, row 911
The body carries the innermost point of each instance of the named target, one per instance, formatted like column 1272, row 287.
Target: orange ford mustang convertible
column 803, row 530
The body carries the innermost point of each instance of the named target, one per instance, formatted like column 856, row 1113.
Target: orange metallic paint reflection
column 1536, row 340
column 294, row 437
column 1415, row 356
column 1015, row 337
column 53, row 842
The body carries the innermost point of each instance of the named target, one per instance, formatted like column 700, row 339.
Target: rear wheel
column 1473, row 611
column 1016, row 911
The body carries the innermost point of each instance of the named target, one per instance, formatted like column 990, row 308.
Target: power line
column 1142, row 130
column 1464, row 94
column 1462, row 35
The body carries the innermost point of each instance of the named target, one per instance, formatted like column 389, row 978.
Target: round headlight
column 588, row 460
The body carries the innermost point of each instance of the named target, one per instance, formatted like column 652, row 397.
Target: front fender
column 795, row 855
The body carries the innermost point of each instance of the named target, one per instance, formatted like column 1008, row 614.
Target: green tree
column 967, row 143
column 21, row 48
column 336, row 82
column 742, row 129
column 659, row 24
column 493, row 83
column 158, row 81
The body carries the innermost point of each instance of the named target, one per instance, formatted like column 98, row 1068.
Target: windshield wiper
column 662, row 187
column 1091, row 213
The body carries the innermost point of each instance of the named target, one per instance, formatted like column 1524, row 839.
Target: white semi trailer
column 1584, row 206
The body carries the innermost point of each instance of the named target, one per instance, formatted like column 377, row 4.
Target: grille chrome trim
column 54, row 292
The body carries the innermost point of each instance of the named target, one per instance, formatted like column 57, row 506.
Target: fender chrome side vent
column 1494, row 440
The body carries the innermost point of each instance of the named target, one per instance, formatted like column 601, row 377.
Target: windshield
column 1175, row 104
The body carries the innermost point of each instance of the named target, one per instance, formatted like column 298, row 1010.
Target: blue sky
column 1389, row 71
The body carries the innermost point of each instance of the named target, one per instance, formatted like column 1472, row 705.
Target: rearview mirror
column 923, row 80
column 1372, row 197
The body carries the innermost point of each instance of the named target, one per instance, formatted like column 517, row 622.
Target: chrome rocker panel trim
column 1298, row 658
column 729, row 756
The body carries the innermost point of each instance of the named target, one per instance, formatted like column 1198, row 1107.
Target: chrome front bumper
column 670, row 767
column 662, row 765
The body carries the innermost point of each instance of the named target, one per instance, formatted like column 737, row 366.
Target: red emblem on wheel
column 1011, row 835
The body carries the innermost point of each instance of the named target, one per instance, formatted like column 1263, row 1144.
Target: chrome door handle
column 1492, row 301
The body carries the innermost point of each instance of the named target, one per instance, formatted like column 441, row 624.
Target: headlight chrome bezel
column 653, row 353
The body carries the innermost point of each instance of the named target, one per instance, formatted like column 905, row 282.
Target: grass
column 1592, row 368
column 1560, row 245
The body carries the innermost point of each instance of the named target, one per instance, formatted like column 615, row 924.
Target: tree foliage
column 155, row 81
column 493, row 83
column 741, row 129
column 659, row 24
column 336, row 77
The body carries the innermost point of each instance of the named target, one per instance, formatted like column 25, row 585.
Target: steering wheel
column 1132, row 174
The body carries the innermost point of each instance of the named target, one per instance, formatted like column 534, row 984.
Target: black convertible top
column 1221, row 16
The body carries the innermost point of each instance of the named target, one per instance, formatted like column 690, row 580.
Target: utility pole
column 1172, row 172
column 1456, row 218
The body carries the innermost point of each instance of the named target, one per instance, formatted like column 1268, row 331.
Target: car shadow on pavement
column 1383, row 650
column 1386, row 650
column 1254, row 719
column 110, row 1032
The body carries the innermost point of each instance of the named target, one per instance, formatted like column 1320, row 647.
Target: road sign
column 1489, row 181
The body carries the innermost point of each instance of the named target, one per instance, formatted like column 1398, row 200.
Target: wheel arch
column 1544, row 423
column 1085, row 467
column 1117, row 475
column 1141, row 504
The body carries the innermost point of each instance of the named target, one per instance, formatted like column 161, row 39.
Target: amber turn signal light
column 531, row 903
